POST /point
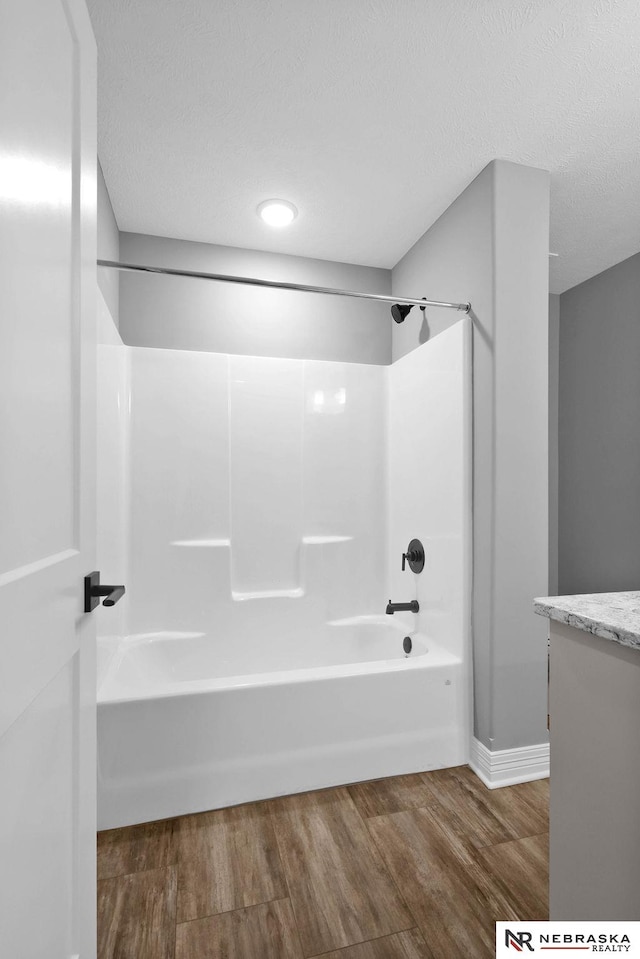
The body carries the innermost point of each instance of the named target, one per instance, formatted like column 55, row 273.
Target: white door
column 47, row 479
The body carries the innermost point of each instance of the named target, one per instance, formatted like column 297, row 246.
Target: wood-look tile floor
column 411, row 867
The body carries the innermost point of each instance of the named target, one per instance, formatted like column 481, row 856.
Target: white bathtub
column 188, row 722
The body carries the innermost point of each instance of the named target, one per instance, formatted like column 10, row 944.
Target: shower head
column 398, row 312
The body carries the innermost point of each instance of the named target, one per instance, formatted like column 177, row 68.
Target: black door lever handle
column 93, row 592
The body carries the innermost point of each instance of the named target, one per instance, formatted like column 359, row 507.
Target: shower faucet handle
column 414, row 556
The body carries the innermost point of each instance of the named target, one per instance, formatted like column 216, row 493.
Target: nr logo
column 518, row 940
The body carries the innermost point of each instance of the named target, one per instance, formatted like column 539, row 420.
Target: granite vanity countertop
column 614, row 616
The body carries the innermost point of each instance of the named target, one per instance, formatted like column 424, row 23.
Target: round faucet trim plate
column 414, row 556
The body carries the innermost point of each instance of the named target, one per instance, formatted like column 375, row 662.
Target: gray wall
column 599, row 432
column 554, row 383
column 176, row 313
column 108, row 248
column 491, row 247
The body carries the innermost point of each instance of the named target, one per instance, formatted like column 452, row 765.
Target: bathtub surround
column 491, row 247
column 260, row 492
column 177, row 313
column 113, row 378
column 108, row 238
column 429, row 484
column 266, row 415
column 245, row 493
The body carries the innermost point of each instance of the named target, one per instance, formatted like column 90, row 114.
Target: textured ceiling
column 371, row 116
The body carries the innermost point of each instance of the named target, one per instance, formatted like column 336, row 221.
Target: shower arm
column 280, row 285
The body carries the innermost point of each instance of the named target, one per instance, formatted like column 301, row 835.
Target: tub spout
column 412, row 607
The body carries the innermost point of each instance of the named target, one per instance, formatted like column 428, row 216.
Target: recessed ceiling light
column 277, row 212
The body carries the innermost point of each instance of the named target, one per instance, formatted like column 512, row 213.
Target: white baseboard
column 506, row 767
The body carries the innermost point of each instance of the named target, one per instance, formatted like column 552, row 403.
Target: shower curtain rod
column 279, row 285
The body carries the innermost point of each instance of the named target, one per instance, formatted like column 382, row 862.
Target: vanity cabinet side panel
column 595, row 778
